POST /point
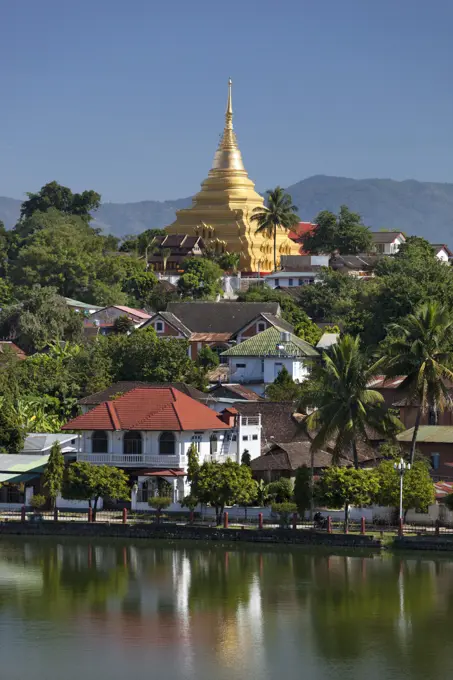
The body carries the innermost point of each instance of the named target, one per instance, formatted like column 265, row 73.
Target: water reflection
column 204, row 612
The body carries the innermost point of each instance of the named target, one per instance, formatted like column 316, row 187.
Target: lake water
column 92, row 611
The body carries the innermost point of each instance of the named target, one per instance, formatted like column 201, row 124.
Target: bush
column 159, row 503
column 284, row 510
column 37, row 502
column 281, row 490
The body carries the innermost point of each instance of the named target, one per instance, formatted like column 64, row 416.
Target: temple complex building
column 220, row 213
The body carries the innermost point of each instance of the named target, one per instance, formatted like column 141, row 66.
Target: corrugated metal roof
column 271, row 343
column 437, row 434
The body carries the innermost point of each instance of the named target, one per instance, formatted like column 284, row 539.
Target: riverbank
column 190, row 533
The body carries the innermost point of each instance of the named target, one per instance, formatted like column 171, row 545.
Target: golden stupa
column 221, row 211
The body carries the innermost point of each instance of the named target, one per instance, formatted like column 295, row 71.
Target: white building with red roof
column 148, row 432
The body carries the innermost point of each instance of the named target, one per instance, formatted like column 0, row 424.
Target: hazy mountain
column 420, row 208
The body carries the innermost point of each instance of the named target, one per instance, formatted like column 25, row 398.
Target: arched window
column 132, row 443
column 167, row 444
column 100, row 442
column 213, row 443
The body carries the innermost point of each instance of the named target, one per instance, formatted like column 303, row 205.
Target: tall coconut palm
column 420, row 347
column 279, row 212
column 166, row 252
column 344, row 406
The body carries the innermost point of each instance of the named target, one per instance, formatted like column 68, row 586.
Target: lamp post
column 401, row 467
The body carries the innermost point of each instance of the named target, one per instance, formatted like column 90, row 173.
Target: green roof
column 82, row 305
column 436, row 434
column 272, row 343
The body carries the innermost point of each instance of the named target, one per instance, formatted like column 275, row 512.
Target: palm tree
column 420, row 348
column 279, row 212
column 166, row 252
column 344, row 406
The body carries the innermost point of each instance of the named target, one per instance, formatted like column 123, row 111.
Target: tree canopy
column 343, row 233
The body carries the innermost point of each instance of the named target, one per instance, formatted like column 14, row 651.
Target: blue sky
column 127, row 96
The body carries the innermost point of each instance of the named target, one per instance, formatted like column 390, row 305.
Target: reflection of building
column 221, row 211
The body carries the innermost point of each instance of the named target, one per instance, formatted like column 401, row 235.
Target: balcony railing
column 132, row 460
column 250, row 420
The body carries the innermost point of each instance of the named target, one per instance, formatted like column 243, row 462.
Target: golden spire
column 228, row 156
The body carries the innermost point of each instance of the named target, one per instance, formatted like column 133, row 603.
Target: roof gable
column 149, row 408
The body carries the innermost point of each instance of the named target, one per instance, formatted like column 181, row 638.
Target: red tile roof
column 134, row 312
column 301, row 230
column 159, row 408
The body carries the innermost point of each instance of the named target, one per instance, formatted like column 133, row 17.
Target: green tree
column 200, row 279
column 420, row 348
column 283, row 388
column 159, row 503
column 262, row 493
column 281, row 490
column 246, row 458
column 12, row 433
column 54, row 472
column 166, row 252
column 193, row 464
column 418, row 487
column 279, row 213
column 302, row 489
column 247, row 491
column 229, row 262
column 123, row 325
column 220, row 484
column 344, row 405
column 290, row 309
column 308, row 331
column 87, row 482
column 343, row 233
column 54, row 195
column 41, row 318
column 207, row 358
column 342, row 487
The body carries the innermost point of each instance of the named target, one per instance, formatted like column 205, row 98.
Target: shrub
column 37, row 502
column 159, row 503
column 281, row 490
column 284, row 510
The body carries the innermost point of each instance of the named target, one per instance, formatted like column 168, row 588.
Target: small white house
column 297, row 270
column 260, row 359
column 387, row 242
column 442, row 252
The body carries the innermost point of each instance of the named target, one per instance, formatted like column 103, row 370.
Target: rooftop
column 436, row 434
column 277, row 420
column 149, row 408
column 117, row 389
column 387, row 236
column 235, row 390
column 290, row 456
column 9, row 346
column 37, row 442
column 83, row 305
column 272, row 343
column 220, row 317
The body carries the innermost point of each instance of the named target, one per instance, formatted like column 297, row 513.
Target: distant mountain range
column 417, row 208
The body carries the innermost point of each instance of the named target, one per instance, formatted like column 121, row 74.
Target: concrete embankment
column 189, row 533
column 435, row 543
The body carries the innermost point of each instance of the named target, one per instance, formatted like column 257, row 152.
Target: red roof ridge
column 113, row 415
column 173, row 390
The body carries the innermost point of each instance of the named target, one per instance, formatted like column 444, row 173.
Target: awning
column 165, row 473
column 15, row 477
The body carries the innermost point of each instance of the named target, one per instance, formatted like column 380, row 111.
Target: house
column 390, row 388
column 170, row 251
column 9, row 348
column 327, row 340
column 278, row 419
column 149, row 430
column 40, row 443
column 297, row 270
column 217, row 324
column 435, row 442
column 20, row 475
column 387, row 242
column 260, row 359
column 284, row 458
column 300, row 231
column 442, row 252
column 234, row 391
column 82, row 307
column 121, row 387
column 360, row 266
column 408, row 409
column 102, row 321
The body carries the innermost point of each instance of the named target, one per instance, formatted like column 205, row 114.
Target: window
column 213, row 444
column 99, row 442
column 240, row 365
column 167, row 444
column 255, row 437
column 159, row 327
column 233, row 437
column 132, row 443
column 196, row 439
column 290, row 282
column 245, row 437
column 435, row 460
column 261, row 327
column 276, row 282
column 262, row 365
column 301, row 282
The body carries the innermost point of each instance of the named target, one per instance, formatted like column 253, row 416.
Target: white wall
column 264, row 370
column 288, row 279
